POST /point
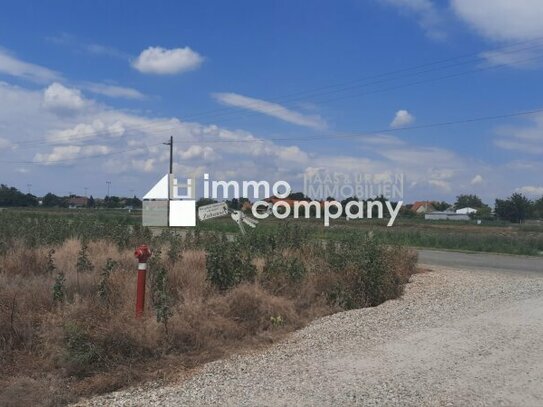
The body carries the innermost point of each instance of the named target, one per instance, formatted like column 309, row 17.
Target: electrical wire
column 90, row 136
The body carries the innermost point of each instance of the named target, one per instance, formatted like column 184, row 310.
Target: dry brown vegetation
column 62, row 339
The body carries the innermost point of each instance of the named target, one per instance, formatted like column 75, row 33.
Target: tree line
column 12, row 197
column 515, row 208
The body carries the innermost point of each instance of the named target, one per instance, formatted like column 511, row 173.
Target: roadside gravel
column 456, row 338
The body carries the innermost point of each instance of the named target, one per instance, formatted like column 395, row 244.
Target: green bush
column 229, row 264
column 290, row 267
column 82, row 355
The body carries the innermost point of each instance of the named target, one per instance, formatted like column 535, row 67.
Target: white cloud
column 427, row 15
column 84, row 132
column 113, row 91
column 5, row 143
column 432, row 157
column 505, row 20
column 401, row 119
column 196, row 151
column 271, row 109
column 68, row 153
column 477, row 180
column 526, row 139
column 515, row 57
column 97, row 131
column 58, row 97
column 158, row 60
column 98, row 49
column 147, row 165
column 383, row 140
column 440, row 184
column 10, row 65
column 532, row 191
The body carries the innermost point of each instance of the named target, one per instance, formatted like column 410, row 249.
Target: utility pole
column 170, row 143
column 108, row 185
column 170, row 175
column 86, row 189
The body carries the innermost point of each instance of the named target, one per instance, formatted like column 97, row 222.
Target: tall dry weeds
column 91, row 342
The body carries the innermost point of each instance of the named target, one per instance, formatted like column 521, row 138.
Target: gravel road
column 456, row 338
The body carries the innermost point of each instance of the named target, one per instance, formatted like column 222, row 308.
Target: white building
column 466, row 211
column 436, row 215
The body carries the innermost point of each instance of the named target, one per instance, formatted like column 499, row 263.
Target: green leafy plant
column 59, row 289
column 174, row 252
column 228, row 264
column 277, row 321
column 161, row 298
column 83, row 261
column 50, row 266
column 81, row 353
column 103, row 287
column 290, row 267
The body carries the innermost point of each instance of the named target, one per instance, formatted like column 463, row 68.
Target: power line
column 152, row 126
column 289, row 97
column 376, row 82
column 385, row 130
column 312, row 138
column 44, row 162
column 449, row 76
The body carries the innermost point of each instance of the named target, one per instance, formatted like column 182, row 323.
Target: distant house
column 437, row 215
column 421, row 207
column 78, row 202
column 466, row 211
column 288, row 201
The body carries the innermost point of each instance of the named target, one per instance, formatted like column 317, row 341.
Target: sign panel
column 212, row 211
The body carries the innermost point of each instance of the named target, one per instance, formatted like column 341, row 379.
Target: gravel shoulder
column 456, row 338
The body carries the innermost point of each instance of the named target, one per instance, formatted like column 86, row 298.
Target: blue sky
column 89, row 90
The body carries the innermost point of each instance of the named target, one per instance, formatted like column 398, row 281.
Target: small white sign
column 212, row 211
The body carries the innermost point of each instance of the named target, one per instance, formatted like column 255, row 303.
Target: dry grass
column 52, row 352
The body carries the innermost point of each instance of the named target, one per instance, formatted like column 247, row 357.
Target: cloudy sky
column 432, row 89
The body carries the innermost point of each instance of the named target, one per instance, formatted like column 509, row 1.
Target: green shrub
column 229, row 264
column 290, row 267
column 82, row 355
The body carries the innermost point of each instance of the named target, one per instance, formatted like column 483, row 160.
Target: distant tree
column 375, row 211
column 516, row 208
column 51, row 200
column 205, row 201
column 468, row 201
column 233, row 204
column 112, row 202
column 91, row 203
column 134, row 202
column 538, row 208
column 441, row 206
column 297, row 196
column 10, row 196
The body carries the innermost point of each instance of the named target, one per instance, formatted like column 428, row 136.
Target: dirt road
column 456, row 338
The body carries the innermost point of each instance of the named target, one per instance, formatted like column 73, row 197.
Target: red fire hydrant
column 142, row 253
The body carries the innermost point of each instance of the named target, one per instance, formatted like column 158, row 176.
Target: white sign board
column 212, row 211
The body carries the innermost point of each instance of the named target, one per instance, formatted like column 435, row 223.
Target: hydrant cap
column 142, row 253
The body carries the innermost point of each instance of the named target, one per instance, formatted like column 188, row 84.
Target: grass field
column 497, row 237
column 67, row 281
column 67, row 297
column 490, row 236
